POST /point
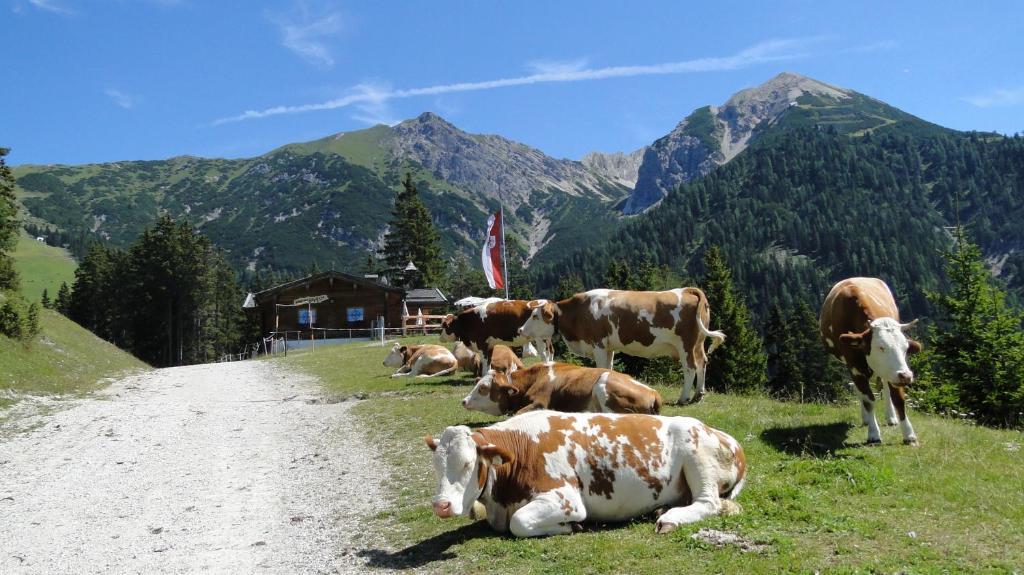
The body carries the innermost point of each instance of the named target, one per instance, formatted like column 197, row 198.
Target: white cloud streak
column 1001, row 97
column 120, row 99
column 305, row 39
column 51, row 6
column 764, row 52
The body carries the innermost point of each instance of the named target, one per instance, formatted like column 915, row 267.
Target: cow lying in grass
column 561, row 387
column 421, row 360
column 544, row 472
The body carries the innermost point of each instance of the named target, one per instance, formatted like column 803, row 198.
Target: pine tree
column 740, row 364
column 786, row 379
column 45, row 300
column 63, row 302
column 8, row 225
column 976, row 358
column 412, row 237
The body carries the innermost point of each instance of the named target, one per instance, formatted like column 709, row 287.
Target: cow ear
column 854, row 340
column 913, row 346
column 429, row 439
column 495, row 454
column 511, row 390
column 403, row 349
column 549, row 312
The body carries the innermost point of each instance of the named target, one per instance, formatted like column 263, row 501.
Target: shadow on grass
column 436, row 548
column 818, row 440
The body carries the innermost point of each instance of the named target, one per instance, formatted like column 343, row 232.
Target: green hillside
column 807, row 205
column 327, row 201
column 42, row 267
column 64, row 358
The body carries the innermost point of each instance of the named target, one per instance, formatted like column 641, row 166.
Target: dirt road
column 221, row 468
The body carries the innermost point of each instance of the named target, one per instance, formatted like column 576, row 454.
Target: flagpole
column 504, row 259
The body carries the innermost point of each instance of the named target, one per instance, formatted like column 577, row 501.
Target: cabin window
column 307, row 316
column 354, row 314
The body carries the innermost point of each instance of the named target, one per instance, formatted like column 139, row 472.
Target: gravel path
column 223, row 468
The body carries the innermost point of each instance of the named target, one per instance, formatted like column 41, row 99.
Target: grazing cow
column 860, row 325
column 600, row 322
column 561, row 387
column 469, row 360
column 504, row 360
column 421, row 360
column 483, row 327
column 543, row 472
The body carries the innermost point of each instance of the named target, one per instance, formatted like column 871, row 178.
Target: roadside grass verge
column 816, row 496
column 64, row 359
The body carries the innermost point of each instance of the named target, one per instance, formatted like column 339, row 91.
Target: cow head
column 490, row 393
column 396, row 358
column 447, row 334
column 462, row 462
column 886, row 349
column 541, row 323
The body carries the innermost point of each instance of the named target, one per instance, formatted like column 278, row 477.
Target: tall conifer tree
column 412, row 236
column 739, row 365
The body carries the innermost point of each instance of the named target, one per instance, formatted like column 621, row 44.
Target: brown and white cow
column 425, row 360
column 469, row 360
column 860, row 325
column 543, row 472
column 561, row 387
column 600, row 322
column 489, row 324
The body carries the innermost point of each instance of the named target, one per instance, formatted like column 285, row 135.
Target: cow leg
column 603, row 358
column 550, row 513
column 700, row 470
column 899, row 400
column 448, row 371
column 690, row 375
column 546, row 349
column 867, row 409
column 891, row 417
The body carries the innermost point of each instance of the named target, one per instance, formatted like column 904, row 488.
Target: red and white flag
column 491, row 255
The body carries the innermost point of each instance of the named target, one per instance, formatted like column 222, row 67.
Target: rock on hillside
column 618, row 167
column 712, row 136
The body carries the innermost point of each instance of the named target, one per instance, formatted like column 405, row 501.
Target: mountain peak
column 431, row 119
column 782, row 90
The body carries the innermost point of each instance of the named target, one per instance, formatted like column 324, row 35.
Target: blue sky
column 106, row 80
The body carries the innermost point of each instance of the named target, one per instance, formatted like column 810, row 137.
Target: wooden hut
column 331, row 302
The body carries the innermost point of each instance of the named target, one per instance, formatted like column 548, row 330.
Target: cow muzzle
column 443, row 509
column 904, row 378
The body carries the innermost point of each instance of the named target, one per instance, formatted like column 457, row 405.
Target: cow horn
column 535, row 304
column 906, row 326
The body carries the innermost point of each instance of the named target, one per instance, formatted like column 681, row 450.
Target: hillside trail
column 223, row 468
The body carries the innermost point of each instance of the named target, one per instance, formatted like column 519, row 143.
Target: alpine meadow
column 315, row 286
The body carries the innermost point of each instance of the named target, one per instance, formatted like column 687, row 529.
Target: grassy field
column 65, row 358
column 817, row 497
column 41, row 266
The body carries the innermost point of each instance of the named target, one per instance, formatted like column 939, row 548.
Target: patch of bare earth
column 225, row 468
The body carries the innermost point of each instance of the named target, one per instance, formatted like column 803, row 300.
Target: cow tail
column 717, row 337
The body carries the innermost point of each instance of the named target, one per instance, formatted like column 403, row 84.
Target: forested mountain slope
column 329, row 201
column 808, row 204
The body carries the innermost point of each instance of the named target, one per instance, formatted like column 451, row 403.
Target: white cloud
column 120, row 99
column 557, row 66
column 997, row 98
column 305, row 36
column 764, row 52
column 51, row 6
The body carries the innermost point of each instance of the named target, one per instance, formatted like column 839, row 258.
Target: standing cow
column 600, row 322
column 860, row 325
column 543, row 472
column 489, row 324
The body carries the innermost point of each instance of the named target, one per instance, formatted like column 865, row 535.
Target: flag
column 491, row 255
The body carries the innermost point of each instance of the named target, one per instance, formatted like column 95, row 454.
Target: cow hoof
column 873, row 441
column 664, row 527
column 697, row 399
column 576, row 526
column 911, row 441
